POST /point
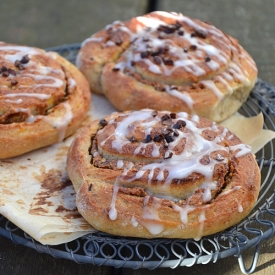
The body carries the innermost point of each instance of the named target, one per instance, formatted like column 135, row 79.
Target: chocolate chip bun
column 167, row 61
column 43, row 99
column 159, row 174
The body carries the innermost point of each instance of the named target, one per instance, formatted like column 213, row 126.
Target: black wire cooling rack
column 104, row 249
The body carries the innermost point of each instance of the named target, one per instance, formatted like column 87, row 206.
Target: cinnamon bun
column 43, row 99
column 167, row 61
column 160, row 174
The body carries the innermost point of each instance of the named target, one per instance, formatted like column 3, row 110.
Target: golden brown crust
column 151, row 175
column 42, row 99
column 166, row 61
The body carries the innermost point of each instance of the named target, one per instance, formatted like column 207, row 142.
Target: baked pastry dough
column 166, row 61
column 43, row 98
column 160, row 174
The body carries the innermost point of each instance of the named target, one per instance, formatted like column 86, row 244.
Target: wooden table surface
column 51, row 23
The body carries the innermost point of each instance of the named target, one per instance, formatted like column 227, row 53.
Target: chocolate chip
column 168, row 62
column 160, row 28
column 201, row 33
column 169, row 139
column 193, row 34
column 144, row 54
column 12, row 72
column 173, row 115
column 90, row 187
column 159, row 88
column 145, row 39
column 176, row 133
column 166, row 48
column 154, row 113
column 168, row 155
column 115, row 69
column 207, row 59
column 181, row 122
column 25, row 59
column 132, row 139
column 148, row 138
column 156, row 52
column 169, row 30
column 165, row 117
column 103, row 122
column 118, row 42
column 14, row 82
column 185, row 49
column 193, row 47
column 5, row 74
column 133, row 63
column 176, row 126
column 177, row 25
column 157, row 59
column 157, row 138
column 3, row 69
column 181, row 33
column 201, row 85
column 18, row 64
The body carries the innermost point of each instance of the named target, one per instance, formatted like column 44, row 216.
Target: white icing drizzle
column 39, row 96
column 208, row 187
column 72, row 83
column 127, row 168
column 31, row 118
column 17, row 101
column 113, row 211
column 184, row 96
column 202, row 218
column 57, row 83
column 240, row 207
column 235, row 188
column 60, row 123
column 94, row 39
column 150, row 215
column 134, row 221
column 120, row 163
column 183, row 212
column 211, row 85
column 242, row 149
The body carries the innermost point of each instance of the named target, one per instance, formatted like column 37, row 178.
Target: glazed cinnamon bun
column 160, row 174
column 167, row 61
column 43, row 99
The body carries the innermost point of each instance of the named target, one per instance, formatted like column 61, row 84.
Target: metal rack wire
column 104, row 249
